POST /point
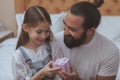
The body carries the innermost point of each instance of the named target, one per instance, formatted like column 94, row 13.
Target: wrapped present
column 63, row 63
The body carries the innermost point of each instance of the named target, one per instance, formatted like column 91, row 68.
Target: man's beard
column 71, row 42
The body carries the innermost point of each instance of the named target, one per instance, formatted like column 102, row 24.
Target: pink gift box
column 63, row 63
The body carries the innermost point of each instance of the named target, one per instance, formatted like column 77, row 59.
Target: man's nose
column 66, row 31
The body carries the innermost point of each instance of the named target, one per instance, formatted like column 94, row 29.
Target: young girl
column 35, row 48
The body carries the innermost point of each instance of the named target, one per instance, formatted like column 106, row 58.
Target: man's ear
column 25, row 27
column 90, row 31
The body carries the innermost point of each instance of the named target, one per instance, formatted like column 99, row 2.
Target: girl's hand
column 49, row 71
column 46, row 71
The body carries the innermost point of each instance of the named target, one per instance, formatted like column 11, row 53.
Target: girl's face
column 38, row 34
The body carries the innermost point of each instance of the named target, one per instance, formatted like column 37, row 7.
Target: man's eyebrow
column 65, row 23
column 68, row 26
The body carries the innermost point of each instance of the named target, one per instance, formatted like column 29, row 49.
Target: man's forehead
column 77, row 19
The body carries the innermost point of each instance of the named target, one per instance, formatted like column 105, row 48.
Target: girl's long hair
column 32, row 17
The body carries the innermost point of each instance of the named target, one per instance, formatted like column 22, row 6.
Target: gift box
column 63, row 63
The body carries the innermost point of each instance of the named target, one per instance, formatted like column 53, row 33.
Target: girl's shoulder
column 17, row 55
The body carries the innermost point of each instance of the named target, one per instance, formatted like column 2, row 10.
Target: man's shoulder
column 106, row 43
column 103, row 39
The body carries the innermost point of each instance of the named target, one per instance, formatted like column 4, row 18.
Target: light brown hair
column 32, row 17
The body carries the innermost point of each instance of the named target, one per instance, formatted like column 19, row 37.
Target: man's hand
column 72, row 75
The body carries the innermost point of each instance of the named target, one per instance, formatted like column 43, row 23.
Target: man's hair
column 89, row 11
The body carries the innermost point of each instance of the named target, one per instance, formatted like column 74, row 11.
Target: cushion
column 57, row 22
column 19, row 19
column 110, row 27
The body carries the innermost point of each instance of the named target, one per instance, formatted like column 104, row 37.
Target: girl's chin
column 40, row 43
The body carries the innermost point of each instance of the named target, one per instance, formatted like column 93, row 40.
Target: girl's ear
column 25, row 27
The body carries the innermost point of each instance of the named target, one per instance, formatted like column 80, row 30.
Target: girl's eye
column 39, row 32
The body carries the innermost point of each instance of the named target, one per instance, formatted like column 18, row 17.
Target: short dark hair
column 89, row 11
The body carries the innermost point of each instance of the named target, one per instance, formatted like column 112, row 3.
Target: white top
column 99, row 57
column 21, row 70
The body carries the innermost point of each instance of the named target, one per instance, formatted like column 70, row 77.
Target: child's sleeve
column 57, row 51
column 20, row 68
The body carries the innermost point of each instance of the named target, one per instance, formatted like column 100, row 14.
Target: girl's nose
column 44, row 35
